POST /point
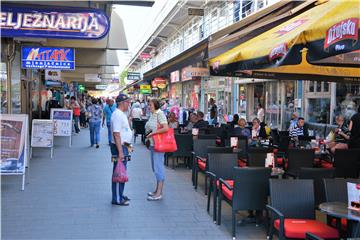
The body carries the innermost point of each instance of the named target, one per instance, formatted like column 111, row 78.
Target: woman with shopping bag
column 160, row 139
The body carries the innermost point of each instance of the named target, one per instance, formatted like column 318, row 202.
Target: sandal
column 154, row 198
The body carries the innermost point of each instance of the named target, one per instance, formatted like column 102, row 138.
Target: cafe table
column 340, row 210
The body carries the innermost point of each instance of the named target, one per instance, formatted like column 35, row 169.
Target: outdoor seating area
column 285, row 195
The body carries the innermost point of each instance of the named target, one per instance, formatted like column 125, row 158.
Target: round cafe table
column 340, row 210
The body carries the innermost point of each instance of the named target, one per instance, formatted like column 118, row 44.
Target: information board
column 62, row 121
column 14, row 140
column 42, row 133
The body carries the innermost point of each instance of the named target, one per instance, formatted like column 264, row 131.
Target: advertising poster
column 13, row 143
column 42, row 133
column 62, row 121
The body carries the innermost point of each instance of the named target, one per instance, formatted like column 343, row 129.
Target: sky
column 136, row 20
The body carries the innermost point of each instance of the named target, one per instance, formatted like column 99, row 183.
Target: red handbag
column 165, row 142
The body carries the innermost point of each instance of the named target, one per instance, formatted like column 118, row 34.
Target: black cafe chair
column 317, row 174
column 250, row 191
column 139, row 129
column 256, row 156
column 293, row 210
column 346, row 163
column 297, row 159
column 203, row 165
column 199, row 157
column 220, row 165
column 184, row 144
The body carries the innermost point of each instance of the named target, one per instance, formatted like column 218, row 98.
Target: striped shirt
column 296, row 131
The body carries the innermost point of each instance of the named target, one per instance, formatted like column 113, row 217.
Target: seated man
column 298, row 129
column 193, row 120
column 342, row 135
column 201, row 123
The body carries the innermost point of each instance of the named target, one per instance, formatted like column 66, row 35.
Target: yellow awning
column 329, row 29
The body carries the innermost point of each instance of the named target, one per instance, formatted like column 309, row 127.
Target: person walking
column 75, row 107
column 156, row 119
column 108, row 111
column 82, row 114
column 95, row 115
column 122, row 136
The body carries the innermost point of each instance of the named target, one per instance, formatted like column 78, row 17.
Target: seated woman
column 172, row 122
column 342, row 135
column 235, row 121
column 244, row 131
column 258, row 132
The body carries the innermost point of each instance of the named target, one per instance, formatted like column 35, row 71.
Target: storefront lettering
column 57, row 22
column 291, row 26
column 346, row 29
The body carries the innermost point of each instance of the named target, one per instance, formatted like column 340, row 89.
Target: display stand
column 14, row 145
column 62, row 123
column 42, row 135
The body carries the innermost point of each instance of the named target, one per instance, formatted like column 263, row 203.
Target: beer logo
column 290, row 27
column 278, row 52
column 346, row 29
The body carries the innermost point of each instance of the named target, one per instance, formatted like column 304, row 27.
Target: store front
column 175, row 93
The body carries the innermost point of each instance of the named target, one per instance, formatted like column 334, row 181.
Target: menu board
column 13, row 136
column 62, row 121
column 42, row 133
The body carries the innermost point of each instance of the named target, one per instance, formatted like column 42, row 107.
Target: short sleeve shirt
column 108, row 112
column 156, row 118
column 120, row 124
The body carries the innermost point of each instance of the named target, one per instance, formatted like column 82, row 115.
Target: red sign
column 159, row 83
column 145, row 56
column 346, row 29
column 291, row 26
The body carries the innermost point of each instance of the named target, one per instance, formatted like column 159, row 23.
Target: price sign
column 62, row 121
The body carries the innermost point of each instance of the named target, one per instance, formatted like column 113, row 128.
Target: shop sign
column 145, row 56
column 135, row 76
column 47, row 58
column 101, row 87
column 145, row 87
column 92, row 77
column 189, row 72
column 53, row 83
column 45, row 22
column 159, row 83
column 53, row 75
column 175, row 76
column 195, row 11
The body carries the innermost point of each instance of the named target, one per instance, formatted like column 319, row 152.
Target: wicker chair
column 199, row 156
column 184, row 144
column 249, row 191
column 256, row 156
column 139, row 129
column 293, row 210
column 317, row 174
column 203, row 165
column 299, row 158
column 220, row 165
column 346, row 163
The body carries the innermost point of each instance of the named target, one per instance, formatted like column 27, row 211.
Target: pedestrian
column 82, row 113
column 122, row 136
column 136, row 111
column 260, row 113
column 95, row 116
column 354, row 127
column 213, row 112
column 172, row 122
column 108, row 111
column 157, row 158
column 75, row 107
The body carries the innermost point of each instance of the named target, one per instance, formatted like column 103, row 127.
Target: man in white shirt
column 122, row 136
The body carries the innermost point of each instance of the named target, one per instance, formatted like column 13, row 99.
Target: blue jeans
column 117, row 189
column 157, row 164
column 76, row 123
column 94, row 132
column 108, row 125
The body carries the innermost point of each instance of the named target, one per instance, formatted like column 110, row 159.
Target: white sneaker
column 153, row 198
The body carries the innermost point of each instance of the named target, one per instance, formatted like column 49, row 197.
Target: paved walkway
column 69, row 197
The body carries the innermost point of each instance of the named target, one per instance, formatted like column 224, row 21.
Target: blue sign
column 48, row 58
column 54, row 22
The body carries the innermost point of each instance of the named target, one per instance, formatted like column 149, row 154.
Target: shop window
column 3, row 87
column 347, row 99
column 318, row 110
